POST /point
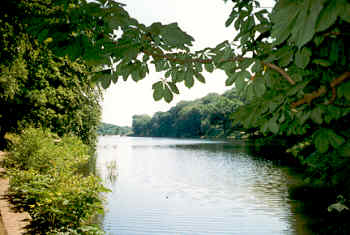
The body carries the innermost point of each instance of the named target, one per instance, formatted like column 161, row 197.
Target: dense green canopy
column 39, row 87
column 209, row 116
column 111, row 129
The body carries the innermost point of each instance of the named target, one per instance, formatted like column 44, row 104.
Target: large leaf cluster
column 307, row 40
column 40, row 88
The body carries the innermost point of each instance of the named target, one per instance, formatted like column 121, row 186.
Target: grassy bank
column 47, row 179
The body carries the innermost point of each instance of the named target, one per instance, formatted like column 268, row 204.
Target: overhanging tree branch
column 171, row 57
column 280, row 71
column 322, row 91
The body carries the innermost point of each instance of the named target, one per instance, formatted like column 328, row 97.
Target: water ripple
column 168, row 186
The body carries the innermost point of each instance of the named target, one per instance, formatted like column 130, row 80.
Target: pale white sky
column 202, row 19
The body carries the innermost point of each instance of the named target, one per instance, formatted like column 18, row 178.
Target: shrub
column 45, row 181
column 43, row 151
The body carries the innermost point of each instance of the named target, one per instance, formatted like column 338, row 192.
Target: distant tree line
column 209, row 116
column 111, row 129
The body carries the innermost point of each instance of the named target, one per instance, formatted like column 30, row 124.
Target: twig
column 281, row 71
column 309, row 97
column 322, row 91
column 207, row 61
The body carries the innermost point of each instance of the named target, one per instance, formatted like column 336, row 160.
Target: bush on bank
column 45, row 180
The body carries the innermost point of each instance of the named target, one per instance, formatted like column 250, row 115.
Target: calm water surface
column 173, row 186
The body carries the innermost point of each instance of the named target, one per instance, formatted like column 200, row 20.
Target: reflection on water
column 174, row 186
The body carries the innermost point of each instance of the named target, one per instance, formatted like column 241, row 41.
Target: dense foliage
column 111, row 129
column 307, row 96
column 37, row 87
column 47, row 179
column 208, row 116
column 43, row 86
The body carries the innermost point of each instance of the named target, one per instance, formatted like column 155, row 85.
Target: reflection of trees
column 212, row 170
column 265, row 183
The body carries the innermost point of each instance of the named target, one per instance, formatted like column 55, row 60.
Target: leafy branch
column 173, row 58
column 322, row 91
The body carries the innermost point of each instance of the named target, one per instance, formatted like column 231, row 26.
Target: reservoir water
column 179, row 186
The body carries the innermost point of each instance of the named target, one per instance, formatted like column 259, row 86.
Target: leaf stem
column 281, row 71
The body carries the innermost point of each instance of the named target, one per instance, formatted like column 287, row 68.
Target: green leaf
column 157, row 94
column 209, row 67
column 318, row 40
column 302, row 57
column 145, row 58
column 105, row 78
column 200, row 77
column 168, row 96
column 135, row 75
column 282, row 118
column 155, row 28
column 250, row 92
column 304, row 117
column 199, row 67
column 316, row 115
column 244, row 74
column 324, row 63
column 259, row 87
column 158, row 91
column 157, row 85
column 105, row 81
column 260, row 16
column 257, row 67
column 174, row 36
column 229, row 21
column 304, row 30
column 284, row 19
column 221, row 45
column 244, row 64
column 334, row 139
column 189, row 81
column 346, row 90
column 239, row 78
column 345, row 13
column 180, row 76
column 173, row 87
column 297, row 88
column 321, row 140
column 167, row 74
column 130, row 54
column 231, row 79
column 273, row 126
column 285, row 56
column 43, row 35
column 115, row 78
column 329, row 15
column 344, row 150
column 240, row 83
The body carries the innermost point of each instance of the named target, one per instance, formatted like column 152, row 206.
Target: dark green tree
column 111, row 129
column 39, row 88
column 141, row 125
